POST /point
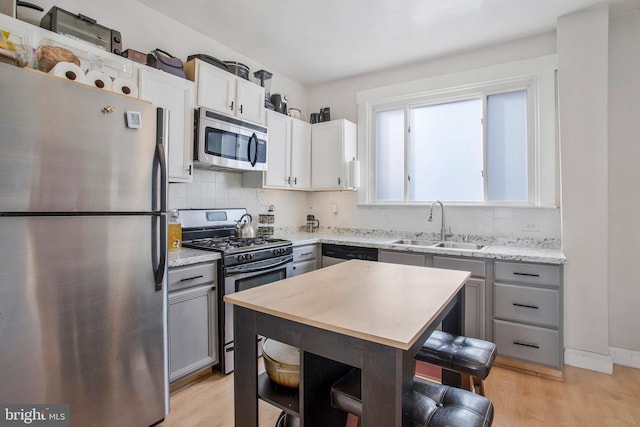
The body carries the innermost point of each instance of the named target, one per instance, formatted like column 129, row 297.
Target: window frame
column 537, row 76
column 456, row 95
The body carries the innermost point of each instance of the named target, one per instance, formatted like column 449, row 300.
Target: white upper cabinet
column 333, row 146
column 177, row 96
column 288, row 154
column 222, row 91
column 278, row 151
column 300, row 155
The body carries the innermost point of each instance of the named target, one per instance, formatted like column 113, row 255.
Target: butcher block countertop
column 389, row 304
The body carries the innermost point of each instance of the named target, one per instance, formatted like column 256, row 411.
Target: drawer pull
column 526, row 274
column 186, row 279
column 306, row 254
column 526, row 306
column 524, row 344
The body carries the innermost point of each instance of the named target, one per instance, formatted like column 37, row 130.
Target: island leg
column 245, row 380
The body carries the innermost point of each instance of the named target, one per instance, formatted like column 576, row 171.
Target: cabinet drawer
column 538, row 274
column 405, row 258
column 304, row 253
column 529, row 343
column 477, row 268
column 304, row 267
column 527, row 304
column 191, row 275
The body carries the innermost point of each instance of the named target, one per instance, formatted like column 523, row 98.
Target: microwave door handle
column 253, row 160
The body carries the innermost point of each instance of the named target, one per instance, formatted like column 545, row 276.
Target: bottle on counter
column 174, row 235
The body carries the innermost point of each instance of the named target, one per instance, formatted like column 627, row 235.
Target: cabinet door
column 300, row 155
column 278, row 150
column 175, row 95
column 327, row 170
column 474, row 308
column 216, row 88
column 250, row 101
column 192, row 330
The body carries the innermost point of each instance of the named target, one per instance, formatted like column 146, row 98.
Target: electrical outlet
column 530, row 226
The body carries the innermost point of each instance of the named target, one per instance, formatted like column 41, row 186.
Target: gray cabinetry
column 474, row 292
column 527, row 318
column 305, row 259
column 474, row 287
column 193, row 334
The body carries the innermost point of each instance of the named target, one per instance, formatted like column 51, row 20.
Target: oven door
column 278, row 269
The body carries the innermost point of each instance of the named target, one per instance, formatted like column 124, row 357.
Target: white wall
column 583, row 81
column 624, row 177
column 481, row 221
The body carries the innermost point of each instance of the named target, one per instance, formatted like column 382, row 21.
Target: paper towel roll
column 98, row 79
column 125, row 86
column 68, row 70
column 354, row 173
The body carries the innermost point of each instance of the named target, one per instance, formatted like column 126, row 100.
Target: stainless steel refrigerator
column 82, row 251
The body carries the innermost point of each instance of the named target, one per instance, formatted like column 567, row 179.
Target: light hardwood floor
column 585, row 398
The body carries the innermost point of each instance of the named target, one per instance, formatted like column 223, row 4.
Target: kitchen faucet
column 443, row 233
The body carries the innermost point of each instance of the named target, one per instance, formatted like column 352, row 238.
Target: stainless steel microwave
column 225, row 142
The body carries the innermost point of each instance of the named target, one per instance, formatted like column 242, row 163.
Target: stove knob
column 248, row 257
column 240, row 258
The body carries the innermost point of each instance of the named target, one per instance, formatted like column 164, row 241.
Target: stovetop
column 234, row 244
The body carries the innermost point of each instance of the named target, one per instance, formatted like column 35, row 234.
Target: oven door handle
column 231, row 271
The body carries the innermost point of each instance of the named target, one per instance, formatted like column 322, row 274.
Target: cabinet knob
column 240, row 108
column 213, row 288
column 339, row 181
column 231, row 106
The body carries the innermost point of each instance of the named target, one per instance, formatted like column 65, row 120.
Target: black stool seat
column 457, row 353
column 434, row 405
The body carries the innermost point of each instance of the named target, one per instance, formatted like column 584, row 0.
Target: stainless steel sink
column 463, row 246
column 410, row 242
column 436, row 244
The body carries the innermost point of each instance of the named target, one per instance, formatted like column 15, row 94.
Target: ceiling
column 313, row 42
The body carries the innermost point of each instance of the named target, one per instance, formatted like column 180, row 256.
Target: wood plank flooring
column 585, row 398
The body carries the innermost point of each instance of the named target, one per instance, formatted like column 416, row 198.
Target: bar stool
column 434, row 405
column 471, row 357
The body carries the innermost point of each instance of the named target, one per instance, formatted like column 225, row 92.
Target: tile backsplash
column 219, row 189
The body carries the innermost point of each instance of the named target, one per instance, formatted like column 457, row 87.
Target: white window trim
column 537, row 75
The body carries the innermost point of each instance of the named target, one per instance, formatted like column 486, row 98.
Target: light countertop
column 188, row 256
column 389, row 304
column 534, row 253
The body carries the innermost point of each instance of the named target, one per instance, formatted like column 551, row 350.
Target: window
column 443, row 150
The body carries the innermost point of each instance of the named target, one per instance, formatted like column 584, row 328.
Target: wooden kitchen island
column 369, row 315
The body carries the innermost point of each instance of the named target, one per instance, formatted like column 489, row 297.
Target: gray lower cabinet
column 305, row 259
column 527, row 317
column 474, row 288
column 193, row 334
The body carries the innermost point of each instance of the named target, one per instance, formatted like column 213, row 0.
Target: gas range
column 246, row 262
column 215, row 229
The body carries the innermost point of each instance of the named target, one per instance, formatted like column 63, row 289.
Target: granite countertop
column 510, row 250
column 188, row 256
column 530, row 251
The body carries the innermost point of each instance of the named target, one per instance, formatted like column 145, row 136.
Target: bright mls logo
column 34, row 415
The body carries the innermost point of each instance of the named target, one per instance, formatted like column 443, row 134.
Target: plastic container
column 174, row 236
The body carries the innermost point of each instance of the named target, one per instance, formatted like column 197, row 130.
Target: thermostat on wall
column 134, row 119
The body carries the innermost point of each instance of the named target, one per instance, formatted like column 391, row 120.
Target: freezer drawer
column 528, row 343
column 527, row 304
column 81, row 319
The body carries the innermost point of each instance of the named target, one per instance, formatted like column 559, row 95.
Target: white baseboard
column 587, row 360
column 624, row 357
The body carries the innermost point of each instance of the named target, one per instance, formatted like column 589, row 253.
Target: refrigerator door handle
column 162, row 132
